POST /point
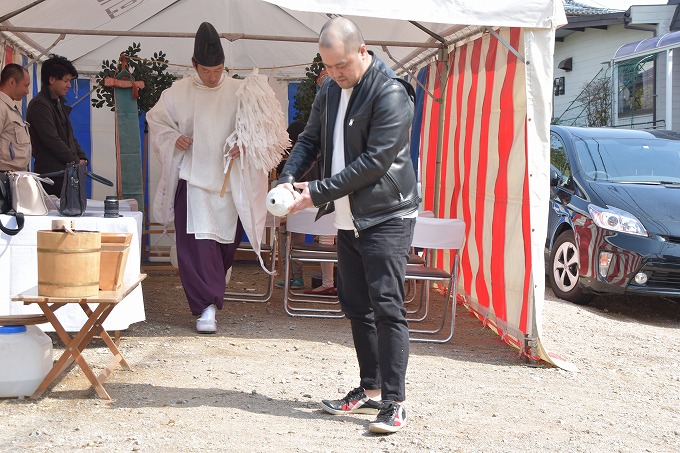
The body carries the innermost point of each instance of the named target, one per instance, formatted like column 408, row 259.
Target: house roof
column 572, row 8
column 581, row 16
column 648, row 46
column 675, row 23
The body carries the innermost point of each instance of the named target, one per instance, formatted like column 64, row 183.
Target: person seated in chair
column 327, row 287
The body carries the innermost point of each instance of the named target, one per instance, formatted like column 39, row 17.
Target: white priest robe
column 208, row 117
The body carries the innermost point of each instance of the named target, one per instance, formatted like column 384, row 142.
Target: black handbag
column 5, row 194
column 20, row 224
column 73, row 200
column 6, row 206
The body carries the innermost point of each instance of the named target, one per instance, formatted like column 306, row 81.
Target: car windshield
column 629, row 160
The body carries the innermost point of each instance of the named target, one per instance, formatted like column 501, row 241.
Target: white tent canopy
column 489, row 104
column 267, row 21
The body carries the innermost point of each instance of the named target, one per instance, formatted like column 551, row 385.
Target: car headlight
column 615, row 219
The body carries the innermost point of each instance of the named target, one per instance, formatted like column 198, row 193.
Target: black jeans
column 371, row 270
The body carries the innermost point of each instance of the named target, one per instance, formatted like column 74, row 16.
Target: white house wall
column 593, row 50
column 652, row 14
column 661, row 15
column 661, row 96
column 590, row 51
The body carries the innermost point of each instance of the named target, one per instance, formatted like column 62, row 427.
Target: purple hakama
column 203, row 263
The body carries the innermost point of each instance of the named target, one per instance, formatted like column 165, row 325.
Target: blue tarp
column 418, row 120
column 81, row 119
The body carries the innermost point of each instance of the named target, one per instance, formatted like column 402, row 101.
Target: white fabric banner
column 528, row 13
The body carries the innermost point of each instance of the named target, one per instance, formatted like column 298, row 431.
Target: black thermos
column 111, row 206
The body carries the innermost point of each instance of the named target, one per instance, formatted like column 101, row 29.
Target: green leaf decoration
column 154, row 74
column 307, row 90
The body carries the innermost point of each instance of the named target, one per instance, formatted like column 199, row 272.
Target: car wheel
column 563, row 275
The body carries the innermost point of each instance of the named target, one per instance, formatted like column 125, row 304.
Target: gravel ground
column 255, row 386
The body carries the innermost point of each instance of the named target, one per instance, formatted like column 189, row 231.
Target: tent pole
column 460, row 37
column 410, row 73
column 44, row 51
column 228, row 36
column 443, row 79
column 506, row 44
column 20, row 10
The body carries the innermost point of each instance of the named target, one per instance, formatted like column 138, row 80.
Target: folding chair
column 436, row 234
column 414, row 258
column 411, row 285
column 267, row 249
column 316, row 306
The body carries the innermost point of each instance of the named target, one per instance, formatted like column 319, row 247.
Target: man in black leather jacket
column 360, row 123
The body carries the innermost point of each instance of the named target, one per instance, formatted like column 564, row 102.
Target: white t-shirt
column 343, row 214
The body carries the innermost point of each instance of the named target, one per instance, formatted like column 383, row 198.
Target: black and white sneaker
column 392, row 418
column 355, row 402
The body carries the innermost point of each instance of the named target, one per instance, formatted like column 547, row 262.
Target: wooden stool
column 105, row 302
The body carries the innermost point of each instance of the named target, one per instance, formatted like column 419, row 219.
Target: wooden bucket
column 115, row 247
column 68, row 263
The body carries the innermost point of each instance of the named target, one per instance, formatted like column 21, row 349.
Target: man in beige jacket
column 15, row 142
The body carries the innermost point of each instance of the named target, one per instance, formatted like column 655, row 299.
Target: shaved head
column 12, row 71
column 15, row 81
column 341, row 30
column 343, row 52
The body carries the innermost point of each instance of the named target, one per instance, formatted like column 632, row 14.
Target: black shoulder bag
column 5, row 194
column 6, row 206
column 73, row 200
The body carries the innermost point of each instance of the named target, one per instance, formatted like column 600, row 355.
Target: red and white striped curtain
column 484, row 177
column 10, row 54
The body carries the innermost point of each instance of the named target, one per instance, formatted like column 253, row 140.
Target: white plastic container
column 25, row 359
column 279, row 201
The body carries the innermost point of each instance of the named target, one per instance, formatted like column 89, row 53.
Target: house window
column 636, row 87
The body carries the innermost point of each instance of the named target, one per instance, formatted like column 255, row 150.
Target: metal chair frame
column 415, row 258
column 272, row 225
column 321, row 306
column 432, row 234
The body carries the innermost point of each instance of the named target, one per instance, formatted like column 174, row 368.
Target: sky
column 622, row 4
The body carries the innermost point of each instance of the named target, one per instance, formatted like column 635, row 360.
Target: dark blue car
column 614, row 222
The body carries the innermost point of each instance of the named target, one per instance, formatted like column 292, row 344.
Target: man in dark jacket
column 52, row 139
column 360, row 123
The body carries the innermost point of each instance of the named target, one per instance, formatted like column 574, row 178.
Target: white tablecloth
column 19, row 267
